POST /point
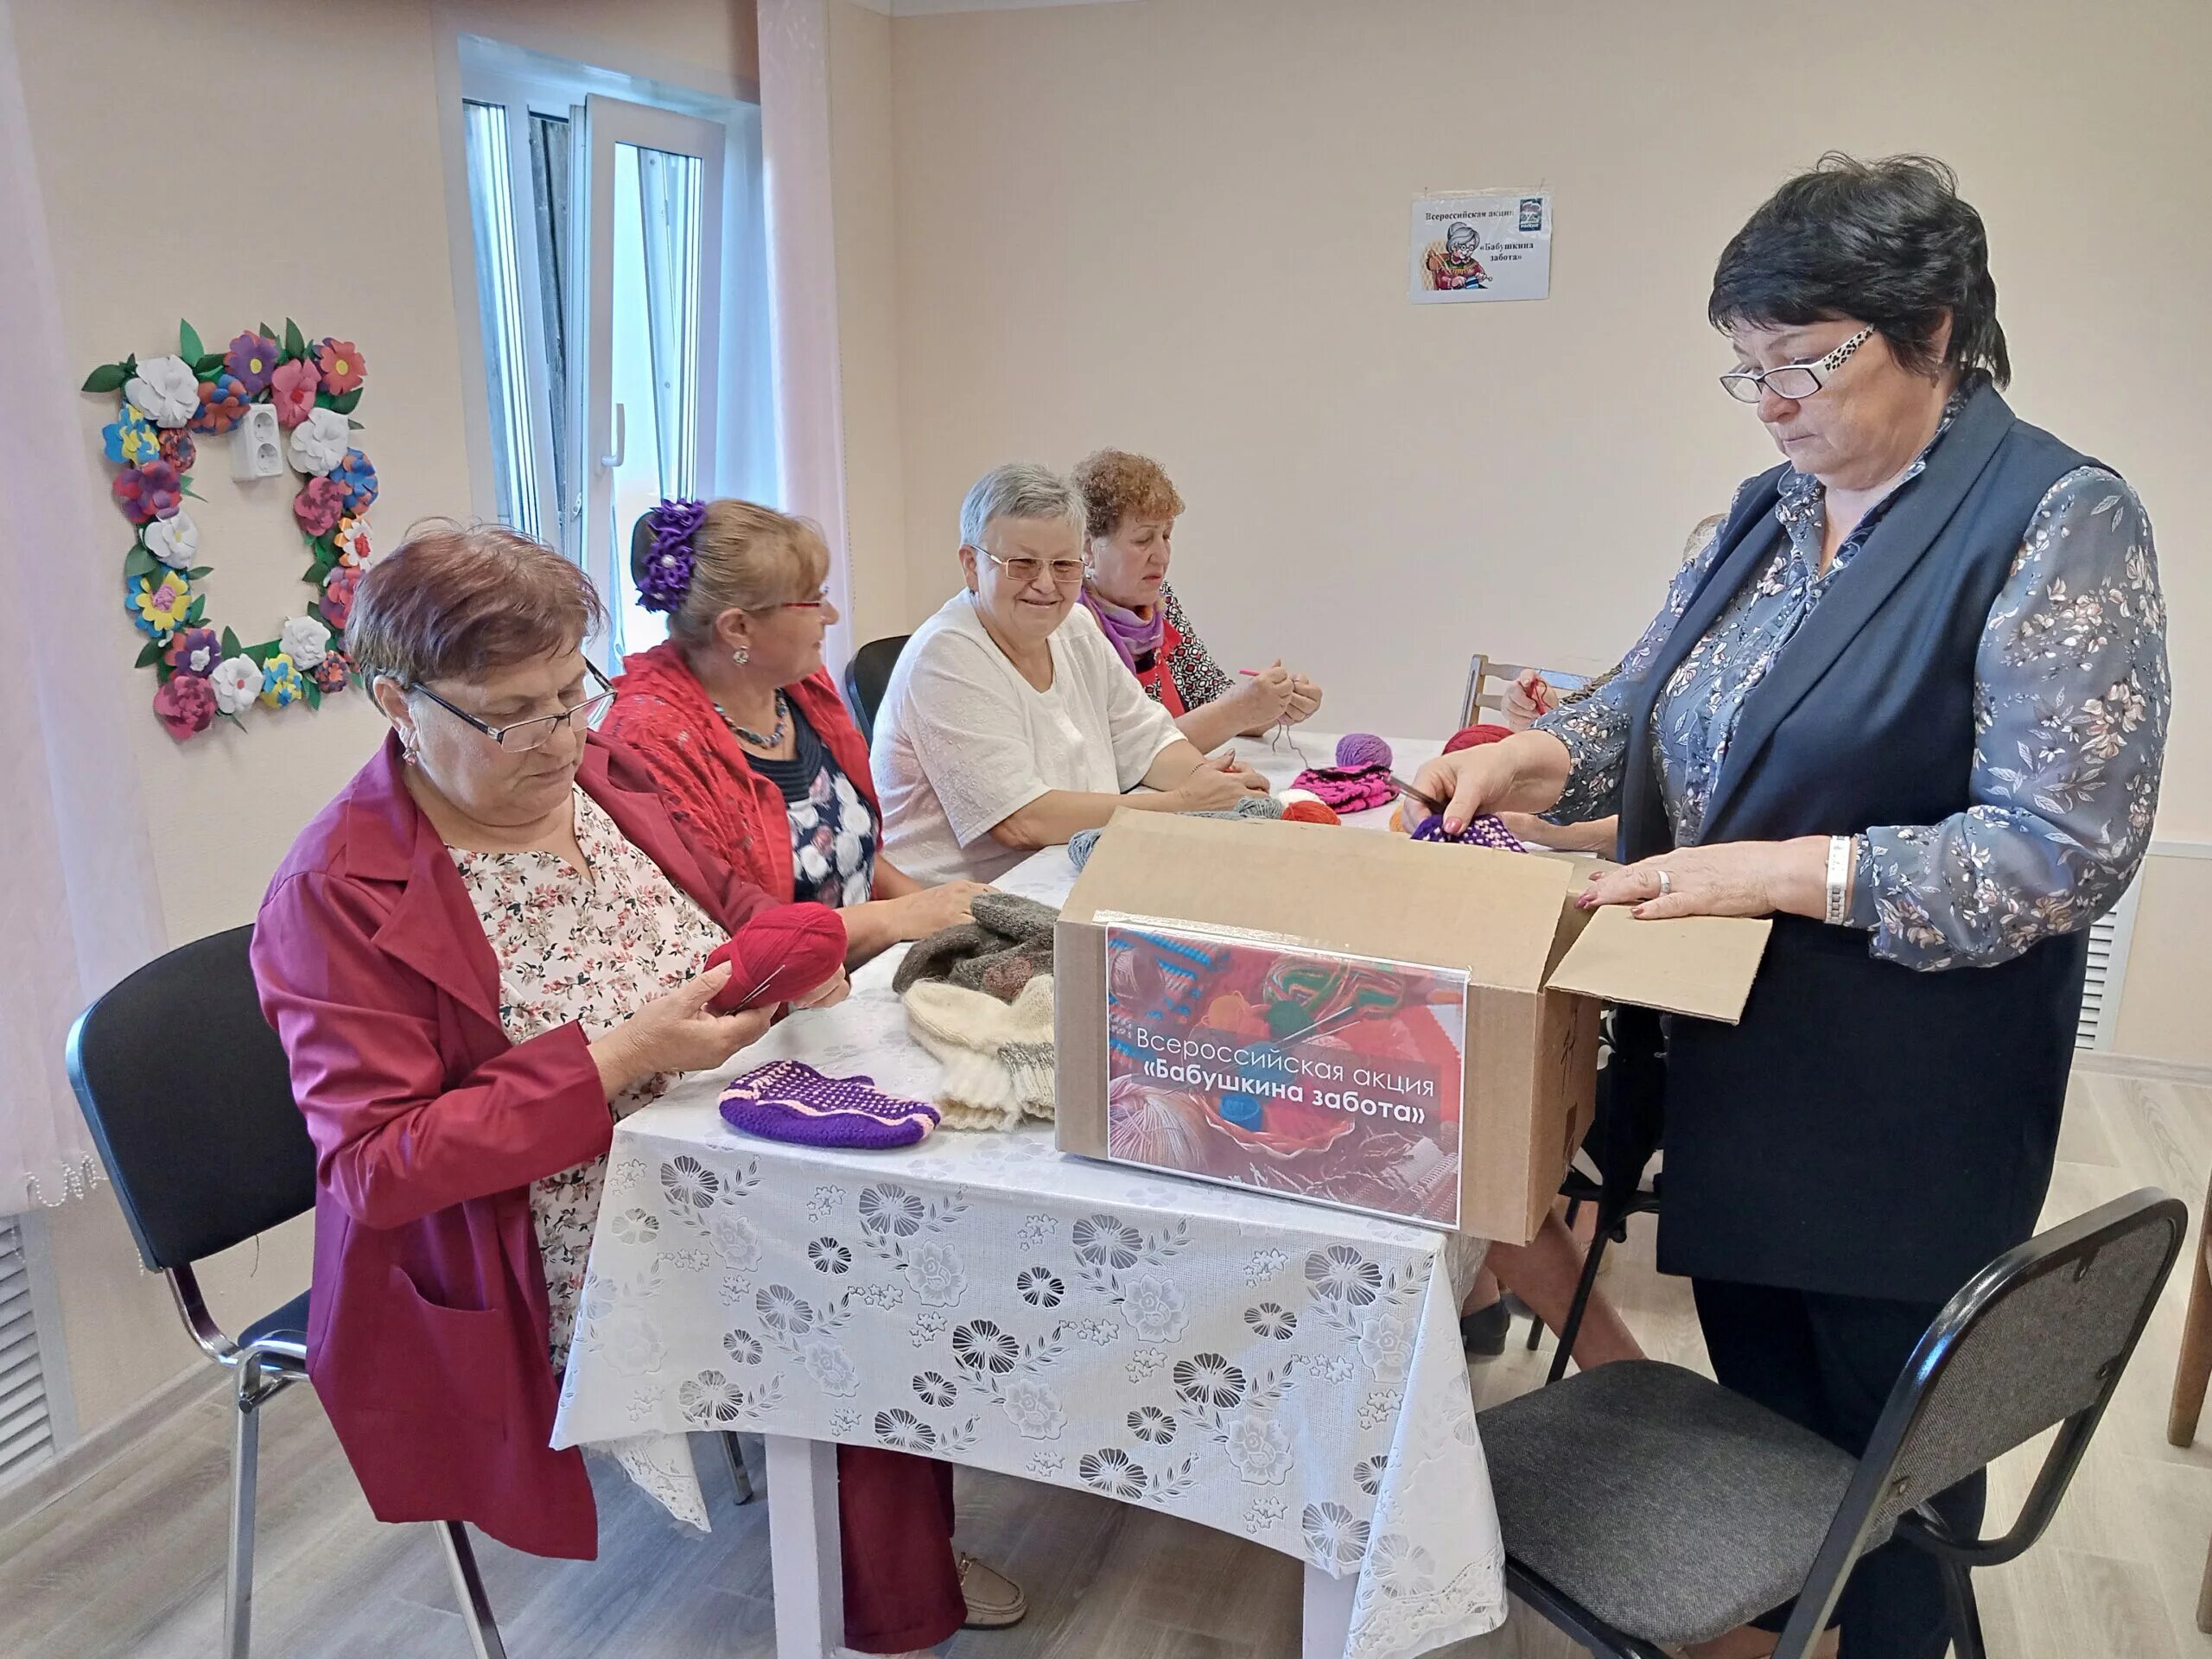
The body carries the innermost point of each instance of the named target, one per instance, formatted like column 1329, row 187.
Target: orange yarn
column 1309, row 812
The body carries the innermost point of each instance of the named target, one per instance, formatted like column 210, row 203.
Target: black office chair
column 868, row 676
column 189, row 1099
column 1642, row 1503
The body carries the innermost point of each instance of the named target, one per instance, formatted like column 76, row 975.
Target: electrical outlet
column 256, row 445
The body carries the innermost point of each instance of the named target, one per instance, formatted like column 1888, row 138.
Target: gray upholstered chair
column 1643, row 1503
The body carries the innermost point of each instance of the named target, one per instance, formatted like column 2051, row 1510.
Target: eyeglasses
column 1792, row 380
column 1066, row 572
column 524, row 735
column 820, row 599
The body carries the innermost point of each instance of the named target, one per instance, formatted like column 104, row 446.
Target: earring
column 741, row 655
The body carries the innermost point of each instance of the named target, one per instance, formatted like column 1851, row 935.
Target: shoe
column 994, row 1601
column 1483, row 1332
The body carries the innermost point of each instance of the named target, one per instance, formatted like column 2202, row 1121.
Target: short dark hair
column 1887, row 242
column 460, row 602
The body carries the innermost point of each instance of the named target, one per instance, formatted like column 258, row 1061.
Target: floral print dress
column 2071, row 702
column 591, row 946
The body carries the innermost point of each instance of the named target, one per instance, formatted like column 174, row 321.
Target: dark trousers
column 894, row 1518
column 1829, row 1363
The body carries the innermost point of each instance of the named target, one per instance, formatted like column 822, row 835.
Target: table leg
column 1325, row 1627
column 804, row 1564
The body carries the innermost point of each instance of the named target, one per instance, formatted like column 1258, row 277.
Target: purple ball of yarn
column 1362, row 749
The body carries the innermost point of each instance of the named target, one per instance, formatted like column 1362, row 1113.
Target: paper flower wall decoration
column 203, row 672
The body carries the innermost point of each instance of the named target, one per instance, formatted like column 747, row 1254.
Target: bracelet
column 1840, row 849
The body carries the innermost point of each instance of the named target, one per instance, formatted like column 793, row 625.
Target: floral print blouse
column 592, row 946
column 2071, row 704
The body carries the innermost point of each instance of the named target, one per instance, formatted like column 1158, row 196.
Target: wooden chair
column 2190, row 1373
column 1488, row 681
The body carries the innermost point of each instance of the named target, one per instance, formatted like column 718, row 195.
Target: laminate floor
column 129, row 1563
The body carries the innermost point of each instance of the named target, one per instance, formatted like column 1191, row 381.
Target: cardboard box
column 1534, row 970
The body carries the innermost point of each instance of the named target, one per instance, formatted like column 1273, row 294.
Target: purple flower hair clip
column 665, row 576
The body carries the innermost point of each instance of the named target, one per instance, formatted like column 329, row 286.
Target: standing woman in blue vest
column 1911, row 702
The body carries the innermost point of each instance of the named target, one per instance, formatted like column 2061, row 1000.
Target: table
column 1280, row 1370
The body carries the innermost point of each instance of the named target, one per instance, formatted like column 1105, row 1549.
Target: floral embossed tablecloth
column 1274, row 1370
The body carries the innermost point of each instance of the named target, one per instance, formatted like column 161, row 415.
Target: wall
column 862, row 186
column 229, row 217
column 1179, row 227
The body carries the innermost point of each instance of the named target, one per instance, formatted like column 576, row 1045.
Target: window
column 27, row 1437
column 620, row 277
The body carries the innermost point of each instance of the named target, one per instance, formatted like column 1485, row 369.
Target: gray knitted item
column 1252, row 806
column 1007, row 944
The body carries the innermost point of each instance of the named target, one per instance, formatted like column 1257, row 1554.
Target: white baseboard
column 92, row 1454
column 2106, row 1063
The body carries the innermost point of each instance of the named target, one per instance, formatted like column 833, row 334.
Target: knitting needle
column 753, row 996
column 1415, row 796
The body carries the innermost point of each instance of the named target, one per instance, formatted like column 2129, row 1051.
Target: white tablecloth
column 1270, row 1369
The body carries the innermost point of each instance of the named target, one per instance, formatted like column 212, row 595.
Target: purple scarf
column 1133, row 636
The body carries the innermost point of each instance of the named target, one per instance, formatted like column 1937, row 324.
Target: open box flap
column 1492, row 914
column 1699, row 965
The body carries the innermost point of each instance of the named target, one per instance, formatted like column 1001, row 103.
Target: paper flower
column 320, row 442
column 292, row 389
column 359, row 480
column 338, row 589
column 173, row 540
column 236, row 683
column 305, row 640
column 316, row 506
column 157, row 604
column 250, row 360
column 145, row 493
column 281, row 683
column 353, row 539
column 166, row 389
column 185, row 706
column 130, row 438
column 341, row 365
column 194, row 651
column 222, row 405
column 179, row 450
column 333, row 673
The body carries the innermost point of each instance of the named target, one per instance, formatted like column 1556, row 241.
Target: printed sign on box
column 1487, row 244
column 1332, row 1076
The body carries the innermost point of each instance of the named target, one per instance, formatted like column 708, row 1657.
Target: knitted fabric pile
column 1008, row 943
column 1252, row 806
column 1349, row 789
column 785, row 1100
column 998, row 1057
column 1484, row 831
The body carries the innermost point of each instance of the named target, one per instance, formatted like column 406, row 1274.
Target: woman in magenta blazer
column 478, row 957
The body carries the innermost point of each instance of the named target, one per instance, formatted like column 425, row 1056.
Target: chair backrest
column 868, row 676
column 1488, row 679
column 2038, row 1338
column 190, row 1100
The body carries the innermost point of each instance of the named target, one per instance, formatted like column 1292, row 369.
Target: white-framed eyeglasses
column 1066, row 572
column 1795, row 381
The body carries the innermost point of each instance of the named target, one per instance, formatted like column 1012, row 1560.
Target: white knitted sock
column 998, row 1058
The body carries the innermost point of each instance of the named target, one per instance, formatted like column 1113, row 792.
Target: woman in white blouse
column 1009, row 723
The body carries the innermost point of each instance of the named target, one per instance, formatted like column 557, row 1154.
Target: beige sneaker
column 994, row 1601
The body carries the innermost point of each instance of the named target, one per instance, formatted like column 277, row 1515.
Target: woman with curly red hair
column 1132, row 508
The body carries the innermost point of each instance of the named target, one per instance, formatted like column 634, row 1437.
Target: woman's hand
column 1526, row 772
column 1740, row 878
column 924, row 913
column 1305, row 700
column 1529, row 700
column 1598, row 836
column 677, row 1033
column 1217, row 785
column 830, row 993
column 1264, row 700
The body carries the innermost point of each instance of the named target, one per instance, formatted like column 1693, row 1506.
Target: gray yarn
column 1252, row 806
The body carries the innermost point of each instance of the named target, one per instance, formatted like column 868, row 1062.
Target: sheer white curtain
column 80, row 908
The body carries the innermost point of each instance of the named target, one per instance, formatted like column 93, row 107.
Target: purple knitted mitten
column 787, row 1100
column 1484, row 831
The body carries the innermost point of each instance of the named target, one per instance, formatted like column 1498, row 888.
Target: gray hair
column 1021, row 489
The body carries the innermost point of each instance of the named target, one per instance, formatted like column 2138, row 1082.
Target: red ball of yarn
column 779, row 954
column 1473, row 737
column 1309, row 812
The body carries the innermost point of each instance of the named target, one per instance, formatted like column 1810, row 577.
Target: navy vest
column 1868, row 1130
